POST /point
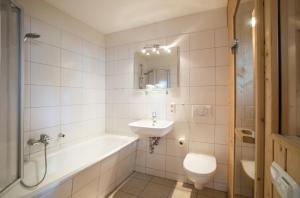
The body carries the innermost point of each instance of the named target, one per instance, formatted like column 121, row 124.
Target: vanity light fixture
column 155, row 49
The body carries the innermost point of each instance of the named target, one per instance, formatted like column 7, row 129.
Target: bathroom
column 170, row 99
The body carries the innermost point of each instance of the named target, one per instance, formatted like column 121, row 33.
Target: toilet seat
column 200, row 163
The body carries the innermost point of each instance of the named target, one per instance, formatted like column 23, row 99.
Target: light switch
column 173, row 108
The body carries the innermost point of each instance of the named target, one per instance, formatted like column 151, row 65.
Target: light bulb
column 168, row 50
column 143, row 51
column 253, row 22
column 153, row 49
column 157, row 52
column 147, row 53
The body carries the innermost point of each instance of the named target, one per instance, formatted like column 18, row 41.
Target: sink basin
column 146, row 128
column 249, row 168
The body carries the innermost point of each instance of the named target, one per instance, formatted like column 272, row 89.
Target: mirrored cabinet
column 156, row 67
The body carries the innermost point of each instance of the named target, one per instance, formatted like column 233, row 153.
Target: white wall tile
column 182, row 41
column 44, row 75
column 202, row 133
column 42, row 96
column 71, row 78
column 222, row 56
column 202, row 95
column 174, row 165
column 202, row 76
column 174, row 149
column 71, row 96
column 221, row 134
column 92, row 65
column 221, row 153
column 71, row 114
column 222, row 97
column 141, row 158
column 26, row 72
column 202, row 148
column 44, row 117
column 26, row 119
column 46, row 54
column 201, row 40
column 121, row 52
column 221, row 37
column 180, row 130
column 71, row 42
column 26, row 96
column 155, row 161
column 184, row 59
column 91, row 50
column 203, row 58
column 49, row 34
column 221, row 173
column 222, row 76
column 222, row 114
column 71, row 60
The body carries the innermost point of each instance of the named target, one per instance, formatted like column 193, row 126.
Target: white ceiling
column 109, row 16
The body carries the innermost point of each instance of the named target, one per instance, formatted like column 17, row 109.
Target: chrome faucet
column 154, row 116
column 44, row 139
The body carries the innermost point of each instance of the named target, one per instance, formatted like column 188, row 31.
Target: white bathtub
column 99, row 155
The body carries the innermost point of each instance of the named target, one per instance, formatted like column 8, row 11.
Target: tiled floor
column 145, row 186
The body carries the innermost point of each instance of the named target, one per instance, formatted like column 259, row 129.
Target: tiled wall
column 98, row 180
column 64, row 86
column 203, row 80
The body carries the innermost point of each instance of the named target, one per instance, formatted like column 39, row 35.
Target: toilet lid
column 200, row 163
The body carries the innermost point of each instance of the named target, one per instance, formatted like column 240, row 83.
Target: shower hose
column 45, row 171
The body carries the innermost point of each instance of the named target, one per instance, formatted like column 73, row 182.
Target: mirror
column 156, row 67
column 244, row 168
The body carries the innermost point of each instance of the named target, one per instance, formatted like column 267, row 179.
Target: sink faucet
column 154, row 116
column 44, row 139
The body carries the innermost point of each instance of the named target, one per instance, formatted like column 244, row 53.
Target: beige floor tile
column 185, row 186
column 142, row 176
column 177, row 193
column 163, row 181
column 220, row 194
column 134, row 186
column 210, row 193
column 120, row 194
column 153, row 190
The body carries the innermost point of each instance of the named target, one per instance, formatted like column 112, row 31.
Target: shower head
column 31, row 35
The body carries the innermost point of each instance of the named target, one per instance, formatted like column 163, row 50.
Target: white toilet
column 199, row 168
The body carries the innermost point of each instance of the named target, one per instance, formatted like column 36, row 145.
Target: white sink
column 146, row 128
column 249, row 168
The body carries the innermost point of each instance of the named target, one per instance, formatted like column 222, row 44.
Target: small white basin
column 249, row 168
column 146, row 128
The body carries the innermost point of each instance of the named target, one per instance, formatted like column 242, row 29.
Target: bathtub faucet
column 44, row 139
